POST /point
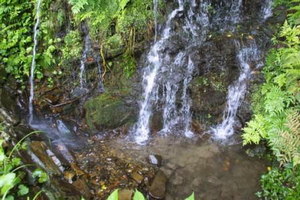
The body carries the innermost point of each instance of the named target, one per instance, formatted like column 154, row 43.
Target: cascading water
column 168, row 73
column 267, row 9
column 83, row 61
column 155, row 11
column 246, row 55
column 172, row 73
column 154, row 59
column 38, row 10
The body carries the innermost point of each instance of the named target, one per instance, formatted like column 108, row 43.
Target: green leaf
column 192, row 197
column 23, row 190
column 113, row 196
column 39, row 173
column 7, row 182
column 138, row 196
column 10, row 197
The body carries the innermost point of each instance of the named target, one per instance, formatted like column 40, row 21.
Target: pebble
column 155, row 160
column 137, row 177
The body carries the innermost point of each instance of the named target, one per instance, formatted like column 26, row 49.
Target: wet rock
column 40, row 154
column 81, row 186
column 137, row 177
column 63, row 189
column 171, row 166
column 155, row 160
column 177, row 179
column 125, row 194
column 9, row 113
column 167, row 172
column 158, row 186
column 107, row 112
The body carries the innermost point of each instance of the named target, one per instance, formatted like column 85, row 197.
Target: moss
column 107, row 111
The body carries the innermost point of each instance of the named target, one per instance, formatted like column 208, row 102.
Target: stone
column 39, row 151
column 81, row 186
column 125, row 194
column 137, row 177
column 107, row 111
column 155, row 160
column 158, row 186
column 167, row 172
column 177, row 179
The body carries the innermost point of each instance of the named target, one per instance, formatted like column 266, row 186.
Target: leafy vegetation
column 12, row 179
column 276, row 110
column 138, row 196
column 114, row 23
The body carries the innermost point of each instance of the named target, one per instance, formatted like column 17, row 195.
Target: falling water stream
column 83, row 60
column 210, row 169
column 155, row 12
column 38, row 10
column 246, row 55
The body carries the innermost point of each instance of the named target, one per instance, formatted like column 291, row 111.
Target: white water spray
column 38, row 10
column 141, row 130
column 236, row 92
column 155, row 12
column 267, row 9
column 83, row 61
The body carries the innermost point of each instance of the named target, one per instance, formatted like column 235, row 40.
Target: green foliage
column 16, row 25
column 11, row 178
column 138, row 196
column 277, row 112
column 276, row 109
column 192, row 197
column 129, row 64
column 73, row 46
column 113, row 196
column 280, row 184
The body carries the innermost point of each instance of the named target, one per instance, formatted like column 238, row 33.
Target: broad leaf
column 138, row 196
column 192, row 197
column 113, row 196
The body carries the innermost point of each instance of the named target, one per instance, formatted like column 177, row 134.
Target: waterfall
column 83, row 61
column 155, row 12
column 154, row 60
column 35, row 30
column 168, row 74
column 236, row 92
column 249, row 54
column 267, row 9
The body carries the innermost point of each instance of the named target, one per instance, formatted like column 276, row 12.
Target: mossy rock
column 107, row 111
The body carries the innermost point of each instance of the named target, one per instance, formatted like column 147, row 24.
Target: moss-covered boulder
column 108, row 111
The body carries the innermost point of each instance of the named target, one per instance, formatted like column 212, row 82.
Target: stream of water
column 168, row 74
column 155, row 12
column 38, row 10
column 83, row 60
column 246, row 55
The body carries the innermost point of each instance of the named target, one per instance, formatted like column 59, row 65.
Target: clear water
column 35, row 30
column 208, row 169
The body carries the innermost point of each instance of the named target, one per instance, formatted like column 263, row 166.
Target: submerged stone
column 158, row 186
